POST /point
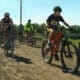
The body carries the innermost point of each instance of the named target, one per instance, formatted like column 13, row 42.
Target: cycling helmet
column 57, row 8
column 29, row 20
column 6, row 14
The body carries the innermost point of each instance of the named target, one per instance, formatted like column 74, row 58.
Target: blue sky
column 39, row 10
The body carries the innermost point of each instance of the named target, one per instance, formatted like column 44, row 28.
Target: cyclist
column 29, row 29
column 6, row 21
column 52, row 23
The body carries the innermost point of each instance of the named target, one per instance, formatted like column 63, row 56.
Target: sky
column 39, row 10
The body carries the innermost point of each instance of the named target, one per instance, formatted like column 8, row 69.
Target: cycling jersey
column 28, row 27
column 53, row 21
column 8, row 22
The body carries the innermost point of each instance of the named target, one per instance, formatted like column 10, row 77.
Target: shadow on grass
column 20, row 59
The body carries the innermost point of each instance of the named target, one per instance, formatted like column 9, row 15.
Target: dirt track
column 28, row 65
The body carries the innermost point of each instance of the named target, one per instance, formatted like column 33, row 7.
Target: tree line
column 40, row 28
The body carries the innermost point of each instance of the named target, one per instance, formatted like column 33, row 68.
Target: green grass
column 75, row 41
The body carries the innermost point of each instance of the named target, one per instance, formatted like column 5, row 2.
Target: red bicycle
column 68, row 51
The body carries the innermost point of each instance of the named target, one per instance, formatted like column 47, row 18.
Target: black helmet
column 6, row 14
column 29, row 20
column 57, row 8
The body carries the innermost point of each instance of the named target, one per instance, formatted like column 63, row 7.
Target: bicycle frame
column 56, row 42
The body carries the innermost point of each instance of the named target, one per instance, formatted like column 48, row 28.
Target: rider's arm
column 65, row 23
column 11, row 22
column 2, row 23
column 48, row 23
column 12, row 25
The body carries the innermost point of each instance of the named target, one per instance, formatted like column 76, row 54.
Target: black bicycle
column 68, row 52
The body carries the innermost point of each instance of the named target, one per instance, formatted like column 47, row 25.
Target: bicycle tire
column 44, row 54
column 9, row 47
column 63, row 60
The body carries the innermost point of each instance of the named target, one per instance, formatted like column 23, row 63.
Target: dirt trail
column 28, row 65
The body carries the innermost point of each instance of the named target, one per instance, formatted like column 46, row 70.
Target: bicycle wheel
column 46, row 53
column 9, row 45
column 70, row 57
column 7, row 50
column 12, row 47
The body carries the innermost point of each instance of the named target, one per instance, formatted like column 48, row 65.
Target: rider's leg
column 5, row 36
column 56, row 48
column 3, row 39
column 56, row 53
column 50, row 35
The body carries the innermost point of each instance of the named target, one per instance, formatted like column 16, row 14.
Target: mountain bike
column 9, row 42
column 31, row 39
column 68, row 51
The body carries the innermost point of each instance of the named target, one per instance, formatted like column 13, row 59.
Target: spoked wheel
column 46, row 53
column 70, row 57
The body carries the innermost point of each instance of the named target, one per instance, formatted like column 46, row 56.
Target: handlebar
column 72, row 34
column 72, row 30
